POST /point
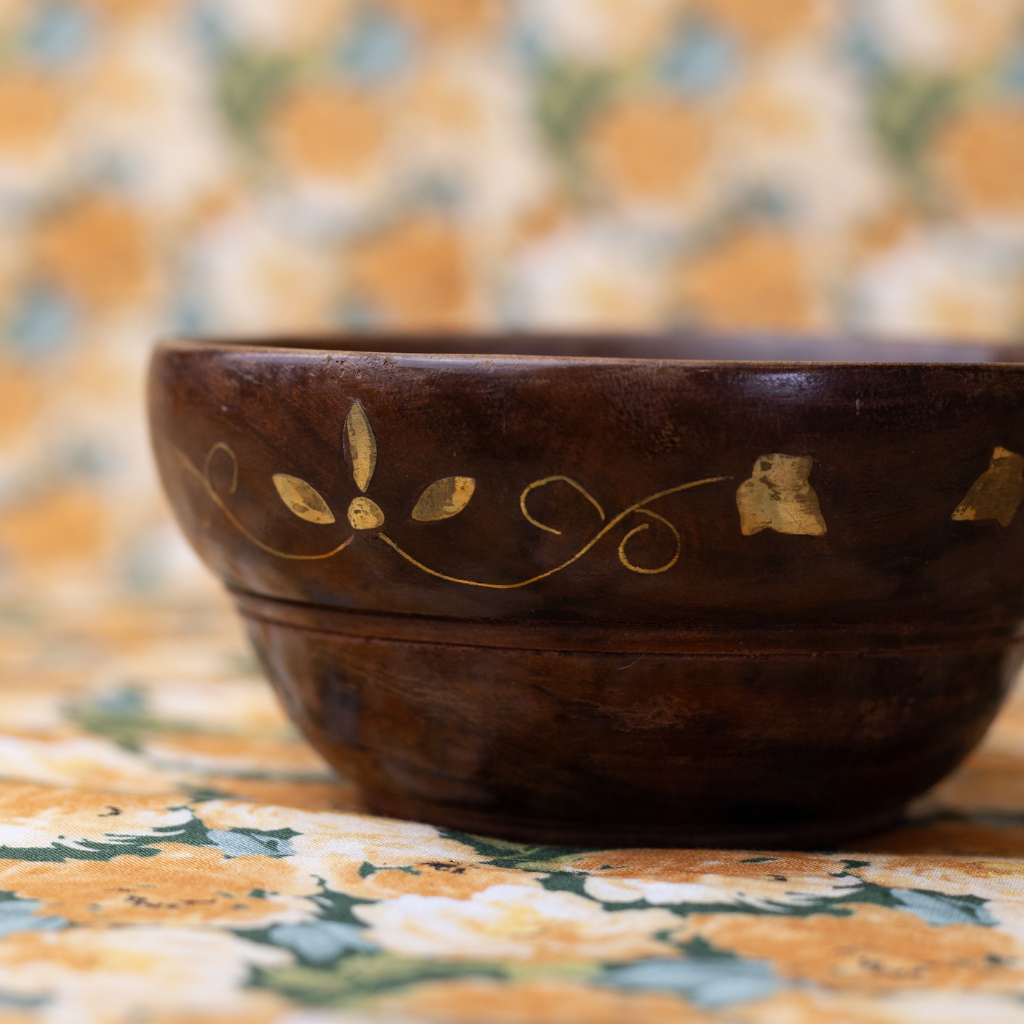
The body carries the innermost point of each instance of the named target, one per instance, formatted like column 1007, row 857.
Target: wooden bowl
column 589, row 598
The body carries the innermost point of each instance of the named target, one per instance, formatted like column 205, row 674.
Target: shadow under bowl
column 614, row 591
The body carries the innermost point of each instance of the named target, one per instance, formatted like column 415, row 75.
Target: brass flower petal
column 365, row 514
column 362, row 446
column 303, row 499
column 444, row 499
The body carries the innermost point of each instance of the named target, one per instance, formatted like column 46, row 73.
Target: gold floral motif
column 442, row 499
column 203, row 476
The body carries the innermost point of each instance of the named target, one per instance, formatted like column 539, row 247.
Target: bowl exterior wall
column 599, row 491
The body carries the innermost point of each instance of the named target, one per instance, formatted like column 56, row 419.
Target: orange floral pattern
column 170, row 850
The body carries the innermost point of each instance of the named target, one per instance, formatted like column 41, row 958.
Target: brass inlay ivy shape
column 778, row 496
column 440, row 500
column 997, row 493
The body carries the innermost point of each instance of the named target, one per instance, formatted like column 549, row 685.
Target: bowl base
column 808, row 738
column 817, row 835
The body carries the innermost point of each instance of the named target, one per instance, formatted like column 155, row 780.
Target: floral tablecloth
column 170, row 851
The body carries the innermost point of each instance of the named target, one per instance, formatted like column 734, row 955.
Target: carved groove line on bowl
column 777, row 496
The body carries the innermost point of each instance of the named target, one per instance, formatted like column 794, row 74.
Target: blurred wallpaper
column 261, row 165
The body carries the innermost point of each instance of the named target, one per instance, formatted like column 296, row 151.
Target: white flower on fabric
column 797, row 125
column 763, row 893
column 465, row 124
column 255, row 277
column 245, row 706
column 282, row 25
column 515, row 922
column 944, row 35
column 87, row 760
column 589, row 278
column 34, row 816
column 145, row 109
column 134, row 972
column 601, row 31
column 355, row 838
column 940, row 1007
column 947, row 284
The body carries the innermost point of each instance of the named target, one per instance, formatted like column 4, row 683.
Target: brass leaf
column 362, row 446
column 303, row 499
column 997, row 493
column 779, row 497
column 444, row 499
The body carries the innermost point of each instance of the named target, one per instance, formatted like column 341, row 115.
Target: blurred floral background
column 260, row 165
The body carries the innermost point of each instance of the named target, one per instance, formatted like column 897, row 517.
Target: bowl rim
column 618, row 347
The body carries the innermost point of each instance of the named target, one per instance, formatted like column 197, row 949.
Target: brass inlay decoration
column 203, row 476
column 303, row 499
column 365, row 514
column 550, row 480
column 444, row 499
column 611, row 524
column 997, row 493
column 639, row 529
column 779, row 497
column 362, row 446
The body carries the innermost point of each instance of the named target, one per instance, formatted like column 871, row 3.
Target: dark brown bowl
column 615, row 601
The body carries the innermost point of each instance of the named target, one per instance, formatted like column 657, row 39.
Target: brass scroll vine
column 204, row 478
column 440, row 500
column 638, row 508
